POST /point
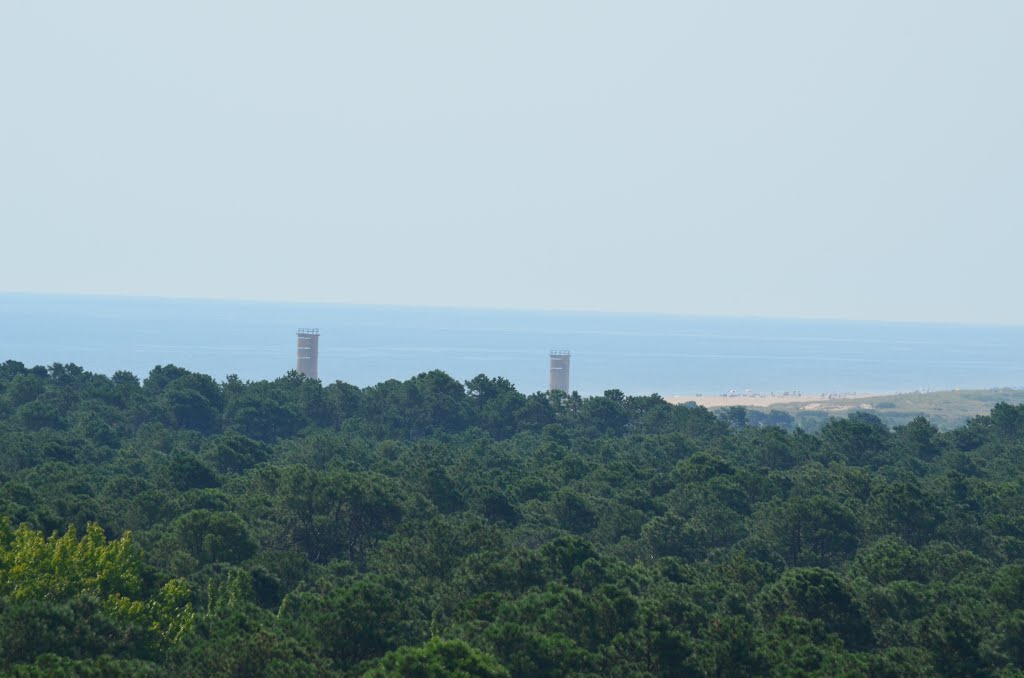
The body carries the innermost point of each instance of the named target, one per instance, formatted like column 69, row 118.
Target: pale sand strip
column 769, row 400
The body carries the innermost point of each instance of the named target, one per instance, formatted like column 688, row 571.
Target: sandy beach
column 767, row 399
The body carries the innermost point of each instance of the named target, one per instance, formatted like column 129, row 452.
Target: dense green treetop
column 177, row 525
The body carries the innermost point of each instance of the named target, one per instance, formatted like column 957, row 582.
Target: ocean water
column 638, row 354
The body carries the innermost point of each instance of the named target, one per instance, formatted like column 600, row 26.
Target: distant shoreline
column 768, row 399
column 946, row 409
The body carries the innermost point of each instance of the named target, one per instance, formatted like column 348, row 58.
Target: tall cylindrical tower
column 307, row 351
column 559, row 371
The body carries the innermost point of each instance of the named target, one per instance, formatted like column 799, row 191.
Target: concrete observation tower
column 307, row 351
column 559, row 371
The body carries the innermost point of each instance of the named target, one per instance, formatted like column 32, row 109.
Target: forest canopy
column 177, row 525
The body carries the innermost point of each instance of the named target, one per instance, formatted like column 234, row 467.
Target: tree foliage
column 428, row 527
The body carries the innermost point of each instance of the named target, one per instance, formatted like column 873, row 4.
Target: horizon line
column 508, row 309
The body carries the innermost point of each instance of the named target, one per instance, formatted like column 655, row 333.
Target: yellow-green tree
column 63, row 567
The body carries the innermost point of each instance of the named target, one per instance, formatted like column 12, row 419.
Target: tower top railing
column 308, row 330
column 560, row 353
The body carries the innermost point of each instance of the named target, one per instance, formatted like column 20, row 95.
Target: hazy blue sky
column 853, row 160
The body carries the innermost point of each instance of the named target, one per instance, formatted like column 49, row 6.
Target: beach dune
column 765, row 400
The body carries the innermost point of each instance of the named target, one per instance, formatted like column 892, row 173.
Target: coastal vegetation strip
column 946, row 409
